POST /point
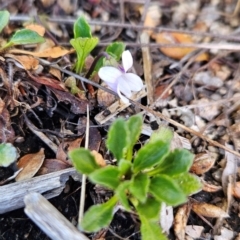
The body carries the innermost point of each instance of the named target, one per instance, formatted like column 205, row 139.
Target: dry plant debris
column 186, row 52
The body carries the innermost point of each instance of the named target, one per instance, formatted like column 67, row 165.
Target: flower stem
column 91, row 69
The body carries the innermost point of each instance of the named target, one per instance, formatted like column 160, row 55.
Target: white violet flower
column 119, row 80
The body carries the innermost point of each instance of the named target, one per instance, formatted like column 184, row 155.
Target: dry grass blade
column 84, row 177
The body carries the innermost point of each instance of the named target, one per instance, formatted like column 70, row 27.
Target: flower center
column 121, row 69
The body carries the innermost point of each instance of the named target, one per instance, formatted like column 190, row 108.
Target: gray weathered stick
column 11, row 195
column 49, row 219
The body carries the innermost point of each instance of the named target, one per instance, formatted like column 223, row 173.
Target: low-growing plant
column 8, row 154
column 20, row 37
column 140, row 181
column 83, row 42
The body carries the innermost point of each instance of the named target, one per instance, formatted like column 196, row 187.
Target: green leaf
column 121, row 193
column 4, row 19
column 164, row 133
column 150, row 230
column 81, row 28
column 164, row 188
column 118, row 138
column 176, row 162
column 83, row 47
column 189, row 183
column 124, row 166
column 150, row 209
column 83, row 160
column 116, row 49
column 107, row 176
column 72, row 84
column 25, row 36
column 8, row 154
column 99, row 216
column 150, row 155
column 139, row 186
column 134, row 125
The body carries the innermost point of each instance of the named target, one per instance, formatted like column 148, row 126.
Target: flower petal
column 124, row 87
column 112, row 86
column 124, row 99
column 127, row 60
column 109, row 74
column 134, row 81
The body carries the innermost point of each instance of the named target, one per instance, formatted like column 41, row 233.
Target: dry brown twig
column 25, row 18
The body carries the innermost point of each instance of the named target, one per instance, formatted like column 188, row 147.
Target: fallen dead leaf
column 99, row 158
column 53, row 52
column 180, row 142
column 28, row 62
column 52, row 165
column 51, row 82
column 78, row 106
column 95, row 138
column 207, row 187
column 37, row 28
column 67, row 146
column 30, row 163
column 202, row 163
column 180, row 221
column 56, row 73
column 177, row 38
column 208, row 210
column 49, row 43
column 105, row 99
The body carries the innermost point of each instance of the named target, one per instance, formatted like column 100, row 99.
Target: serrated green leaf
column 4, row 19
column 83, row 47
column 176, row 162
column 98, row 216
column 83, row 160
column 150, row 230
column 121, row 193
column 116, row 49
column 139, row 186
column 8, row 154
column 81, row 28
column 25, row 36
column 118, row 138
column 150, row 155
column 150, row 209
column 124, row 166
column 165, row 189
column 107, row 176
column 189, row 183
column 164, row 133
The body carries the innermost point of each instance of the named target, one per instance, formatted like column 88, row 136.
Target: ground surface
column 198, row 87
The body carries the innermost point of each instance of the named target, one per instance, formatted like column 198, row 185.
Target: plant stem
column 99, row 56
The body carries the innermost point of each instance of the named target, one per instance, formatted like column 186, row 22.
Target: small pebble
column 216, row 97
column 223, row 90
column 217, row 175
column 19, row 139
column 212, row 149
